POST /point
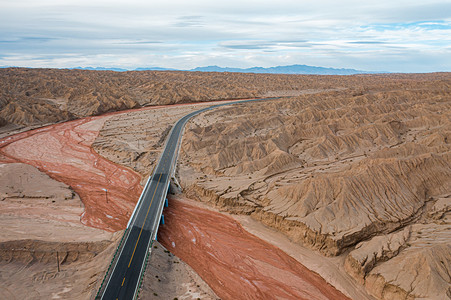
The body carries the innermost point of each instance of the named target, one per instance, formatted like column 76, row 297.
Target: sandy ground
column 168, row 277
column 48, row 210
column 40, row 221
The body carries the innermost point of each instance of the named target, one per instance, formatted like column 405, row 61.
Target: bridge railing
column 109, row 270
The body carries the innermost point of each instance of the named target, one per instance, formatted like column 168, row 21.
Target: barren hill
column 40, row 96
column 362, row 171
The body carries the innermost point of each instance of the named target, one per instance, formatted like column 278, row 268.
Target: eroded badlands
column 356, row 168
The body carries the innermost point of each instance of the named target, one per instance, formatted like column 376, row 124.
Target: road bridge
column 123, row 278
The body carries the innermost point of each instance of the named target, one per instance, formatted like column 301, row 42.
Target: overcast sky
column 383, row 35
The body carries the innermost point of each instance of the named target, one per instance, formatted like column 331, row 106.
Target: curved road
column 142, row 228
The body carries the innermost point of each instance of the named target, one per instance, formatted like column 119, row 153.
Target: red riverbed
column 63, row 151
column 235, row 263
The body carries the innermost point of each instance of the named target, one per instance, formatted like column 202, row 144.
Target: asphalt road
column 143, row 226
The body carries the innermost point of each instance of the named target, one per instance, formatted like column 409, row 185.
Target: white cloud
column 402, row 35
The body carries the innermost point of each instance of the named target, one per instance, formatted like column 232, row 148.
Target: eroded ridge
column 334, row 169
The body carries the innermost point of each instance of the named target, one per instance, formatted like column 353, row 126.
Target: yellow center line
column 148, row 209
column 123, row 282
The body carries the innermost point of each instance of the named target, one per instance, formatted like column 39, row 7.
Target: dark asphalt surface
column 123, row 283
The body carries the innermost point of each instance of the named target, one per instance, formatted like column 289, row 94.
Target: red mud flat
column 63, row 151
column 235, row 263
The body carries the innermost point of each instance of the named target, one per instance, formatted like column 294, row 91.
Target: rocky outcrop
column 381, row 248
column 409, row 264
column 41, row 96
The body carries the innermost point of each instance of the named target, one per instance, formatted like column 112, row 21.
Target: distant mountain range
column 293, row 69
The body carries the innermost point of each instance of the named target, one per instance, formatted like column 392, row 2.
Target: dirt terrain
column 48, row 210
column 168, row 277
column 363, row 173
column 33, row 97
column 356, row 168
